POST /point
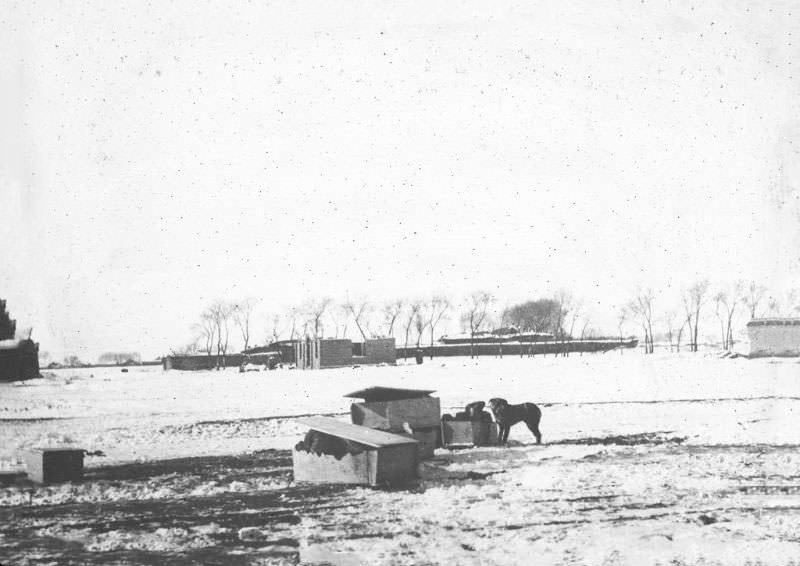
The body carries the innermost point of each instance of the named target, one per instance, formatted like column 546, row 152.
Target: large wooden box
column 468, row 433
column 54, row 465
column 387, row 459
column 422, row 412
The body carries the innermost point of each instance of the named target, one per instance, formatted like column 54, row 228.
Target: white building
column 774, row 336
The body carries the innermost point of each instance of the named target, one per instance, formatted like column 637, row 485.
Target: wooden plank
column 371, row 394
column 360, row 434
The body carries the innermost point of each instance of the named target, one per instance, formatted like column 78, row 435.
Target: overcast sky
column 154, row 157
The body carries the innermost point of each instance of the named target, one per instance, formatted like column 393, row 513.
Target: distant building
column 319, row 353
column 19, row 357
column 284, row 349
column 774, row 336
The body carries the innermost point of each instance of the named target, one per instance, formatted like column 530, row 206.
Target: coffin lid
column 361, row 434
column 371, row 394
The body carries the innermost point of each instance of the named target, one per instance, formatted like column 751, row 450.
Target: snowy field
column 663, row 459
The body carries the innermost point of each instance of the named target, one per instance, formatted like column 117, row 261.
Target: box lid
column 371, row 394
column 361, row 434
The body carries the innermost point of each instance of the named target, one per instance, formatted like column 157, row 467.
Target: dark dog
column 508, row 415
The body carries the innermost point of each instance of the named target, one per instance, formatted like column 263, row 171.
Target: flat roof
column 388, row 393
column 361, row 434
column 774, row 321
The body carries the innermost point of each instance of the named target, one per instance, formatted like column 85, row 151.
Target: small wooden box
column 386, row 459
column 468, row 433
column 54, row 465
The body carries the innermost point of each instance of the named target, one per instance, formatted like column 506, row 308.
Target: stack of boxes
column 411, row 412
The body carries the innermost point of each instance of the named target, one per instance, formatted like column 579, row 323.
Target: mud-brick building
column 774, row 337
column 319, row 353
column 19, row 357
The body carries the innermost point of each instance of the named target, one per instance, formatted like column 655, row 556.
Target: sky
column 157, row 156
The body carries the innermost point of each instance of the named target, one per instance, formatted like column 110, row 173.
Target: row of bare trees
column 561, row 315
column 739, row 299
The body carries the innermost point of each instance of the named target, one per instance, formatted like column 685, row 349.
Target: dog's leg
column 533, row 424
column 534, row 427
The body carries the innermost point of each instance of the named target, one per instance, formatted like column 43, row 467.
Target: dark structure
column 517, row 348
column 319, row 353
column 283, row 348
column 19, row 358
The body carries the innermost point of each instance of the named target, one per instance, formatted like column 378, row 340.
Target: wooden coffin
column 387, row 459
column 54, row 465
column 468, row 433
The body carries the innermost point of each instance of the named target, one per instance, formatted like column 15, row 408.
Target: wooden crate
column 386, row 458
column 423, row 412
column 468, row 433
column 54, row 465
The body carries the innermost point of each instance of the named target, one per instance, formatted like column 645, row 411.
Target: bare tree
column 622, row 318
column 642, row 308
column 681, row 328
column 220, row 313
column 278, row 324
column 720, row 300
column 340, row 317
column 563, row 300
column 753, row 296
column 725, row 303
column 292, row 315
column 391, row 311
column 419, row 324
column 693, row 301
column 242, row 313
column 475, row 315
column 315, row 311
column 412, row 314
column 437, row 310
column 206, row 330
column 358, row 310
column 786, row 304
column 586, row 331
column 669, row 320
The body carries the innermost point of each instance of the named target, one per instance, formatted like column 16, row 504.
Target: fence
column 518, row 349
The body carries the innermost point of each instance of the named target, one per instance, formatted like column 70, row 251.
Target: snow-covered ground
column 688, row 458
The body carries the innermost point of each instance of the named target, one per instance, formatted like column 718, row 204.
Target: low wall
column 380, row 351
column 335, row 353
column 201, row 362
column 774, row 338
column 525, row 349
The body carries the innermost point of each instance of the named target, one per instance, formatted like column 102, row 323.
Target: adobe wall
column 203, row 361
column 380, row 351
column 335, row 353
column 771, row 339
column 533, row 348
